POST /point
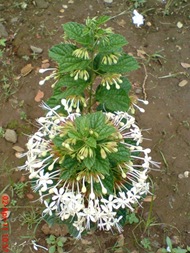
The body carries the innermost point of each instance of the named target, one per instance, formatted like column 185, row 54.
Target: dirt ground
column 162, row 47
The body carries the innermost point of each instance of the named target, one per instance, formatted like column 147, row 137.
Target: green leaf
column 59, row 243
column 179, row 250
column 102, row 19
column 115, row 99
column 76, row 88
column 115, row 43
column 68, row 81
column 68, row 168
column 71, row 63
column 58, row 52
column 108, row 182
column 126, row 63
column 97, row 120
column 91, row 142
column 122, row 155
column 132, row 218
column 50, row 239
column 52, row 249
column 74, row 31
column 168, row 242
column 122, row 212
column 89, row 162
column 82, row 124
column 105, row 132
column 101, row 165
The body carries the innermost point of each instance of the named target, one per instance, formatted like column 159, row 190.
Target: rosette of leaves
column 91, row 62
column 84, row 168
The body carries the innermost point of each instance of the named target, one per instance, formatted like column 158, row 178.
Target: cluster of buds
column 110, row 59
column 73, row 103
column 81, row 53
column 80, row 74
column 110, row 79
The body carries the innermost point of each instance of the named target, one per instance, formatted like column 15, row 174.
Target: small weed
column 23, row 115
column 2, row 44
column 138, row 3
column 145, row 242
column 30, row 218
column 170, row 248
column 19, row 188
column 56, row 244
column 132, row 218
column 13, row 202
column 9, row 85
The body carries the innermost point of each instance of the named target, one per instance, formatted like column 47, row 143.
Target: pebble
column 10, row 135
column 14, row 20
column 18, row 149
column 108, row 1
column 42, row 4
column 184, row 174
column 36, row 50
column 3, row 32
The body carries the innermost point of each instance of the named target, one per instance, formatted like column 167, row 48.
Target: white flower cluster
column 69, row 200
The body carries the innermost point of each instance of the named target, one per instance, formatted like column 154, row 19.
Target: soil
column 161, row 46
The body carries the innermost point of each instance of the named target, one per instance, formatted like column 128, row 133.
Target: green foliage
column 92, row 55
column 20, row 188
column 30, row 218
column 132, row 218
column 56, row 244
column 174, row 250
column 138, row 3
column 146, row 243
column 1, row 132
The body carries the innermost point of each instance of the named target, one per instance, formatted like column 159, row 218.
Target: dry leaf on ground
column 39, row 96
column 182, row 83
column 185, row 65
column 149, row 198
column 26, row 70
column 141, row 53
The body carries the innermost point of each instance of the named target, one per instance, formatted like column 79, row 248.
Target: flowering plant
column 85, row 161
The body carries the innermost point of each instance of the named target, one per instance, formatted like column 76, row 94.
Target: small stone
column 186, row 173
column 138, row 91
column 14, row 20
column 36, row 50
column 42, row 4
column 179, row 25
column 10, row 135
column 3, row 32
column 180, row 176
column 18, row 149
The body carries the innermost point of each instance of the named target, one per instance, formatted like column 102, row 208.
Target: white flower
column 36, row 246
column 49, row 208
column 44, row 180
column 138, row 19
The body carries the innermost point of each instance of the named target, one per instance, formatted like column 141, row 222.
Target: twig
column 123, row 12
column 173, row 75
column 144, row 82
